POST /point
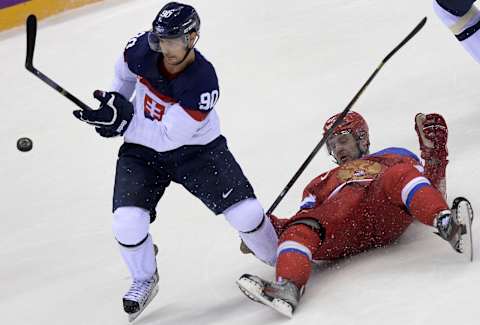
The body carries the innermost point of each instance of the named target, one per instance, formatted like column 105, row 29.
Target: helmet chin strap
column 189, row 49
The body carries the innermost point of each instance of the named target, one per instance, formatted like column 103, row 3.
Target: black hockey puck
column 24, row 144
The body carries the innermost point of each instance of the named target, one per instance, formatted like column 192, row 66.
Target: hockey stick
column 31, row 37
column 343, row 114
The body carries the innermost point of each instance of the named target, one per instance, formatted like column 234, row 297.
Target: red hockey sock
column 296, row 246
column 426, row 204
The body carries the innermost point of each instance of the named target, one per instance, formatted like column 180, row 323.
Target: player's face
column 173, row 49
column 344, row 147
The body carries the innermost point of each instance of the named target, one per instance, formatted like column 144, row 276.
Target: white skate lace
column 140, row 290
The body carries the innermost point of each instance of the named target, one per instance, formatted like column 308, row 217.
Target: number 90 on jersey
column 208, row 100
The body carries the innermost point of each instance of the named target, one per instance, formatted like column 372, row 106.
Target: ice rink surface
column 284, row 68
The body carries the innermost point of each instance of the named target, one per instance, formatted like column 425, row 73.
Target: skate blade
column 253, row 291
column 468, row 241
column 464, row 214
column 250, row 288
column 134, row 316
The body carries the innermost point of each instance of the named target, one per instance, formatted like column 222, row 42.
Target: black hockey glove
column 112, row 117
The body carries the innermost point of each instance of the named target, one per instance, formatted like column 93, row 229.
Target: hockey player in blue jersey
column 463, row 19
column 172, row 133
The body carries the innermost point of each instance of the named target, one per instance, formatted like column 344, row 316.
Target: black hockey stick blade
column 342, row 115
column 406, row 39
column 31, row 36
column 389, row 55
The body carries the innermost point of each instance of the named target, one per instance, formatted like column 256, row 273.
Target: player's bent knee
column 130, row 225
column 245, row 216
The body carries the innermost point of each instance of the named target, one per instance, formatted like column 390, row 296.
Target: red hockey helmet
column 354, row 124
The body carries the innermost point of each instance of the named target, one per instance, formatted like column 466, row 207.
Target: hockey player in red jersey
column 367, row 201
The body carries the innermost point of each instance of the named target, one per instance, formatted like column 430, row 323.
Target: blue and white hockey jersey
column 168, row 113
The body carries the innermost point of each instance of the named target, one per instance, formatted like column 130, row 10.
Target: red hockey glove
column 432, row 134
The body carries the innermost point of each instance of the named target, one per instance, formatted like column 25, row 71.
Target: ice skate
column 455, row 226
column 282, row 296
column 140, row 294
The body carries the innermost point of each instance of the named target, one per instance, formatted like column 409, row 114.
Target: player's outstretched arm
column 463, row 19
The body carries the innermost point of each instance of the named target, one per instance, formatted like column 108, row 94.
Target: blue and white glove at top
column 113, row 116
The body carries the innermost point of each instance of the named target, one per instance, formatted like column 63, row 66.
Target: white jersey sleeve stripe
column 409, row 190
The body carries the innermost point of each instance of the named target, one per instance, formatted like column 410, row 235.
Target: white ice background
column 284, row 68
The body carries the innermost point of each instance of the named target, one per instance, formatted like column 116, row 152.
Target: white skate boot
column 139, row 296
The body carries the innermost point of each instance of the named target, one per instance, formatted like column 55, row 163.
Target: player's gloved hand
column 106, row 132
column 432, row 134
column 113, row 116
